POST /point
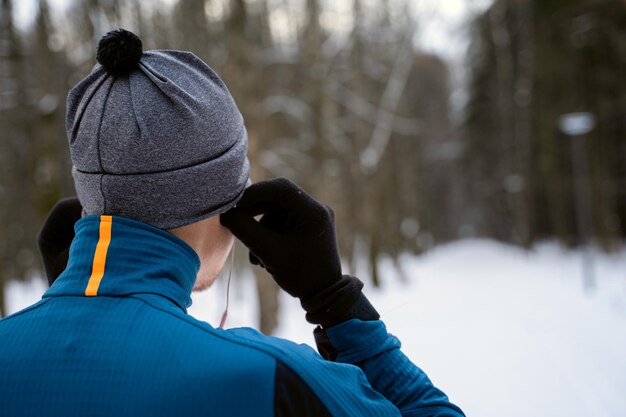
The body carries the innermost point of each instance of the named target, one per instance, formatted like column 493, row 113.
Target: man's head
column 155, row 136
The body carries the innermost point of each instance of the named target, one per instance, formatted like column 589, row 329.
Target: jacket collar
column 117, row 256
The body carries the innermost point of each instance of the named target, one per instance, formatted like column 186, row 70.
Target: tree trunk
column 268, row 294
column 2, row 304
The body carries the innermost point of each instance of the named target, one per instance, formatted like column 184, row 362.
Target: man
column 160, row 168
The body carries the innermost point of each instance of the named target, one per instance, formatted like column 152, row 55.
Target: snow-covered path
column 502, row 331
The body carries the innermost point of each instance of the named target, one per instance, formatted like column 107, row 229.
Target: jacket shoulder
column 291, row 395
column 342, row 388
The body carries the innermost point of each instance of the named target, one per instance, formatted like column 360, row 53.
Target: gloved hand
column 56, row 235
column 295, row 242
column 295, row 239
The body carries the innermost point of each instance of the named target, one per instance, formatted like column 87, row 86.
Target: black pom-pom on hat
column 119, row 52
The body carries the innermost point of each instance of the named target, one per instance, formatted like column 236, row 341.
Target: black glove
column 295, row 242
column 56, row 235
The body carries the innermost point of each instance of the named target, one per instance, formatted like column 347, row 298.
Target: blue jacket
column 111, row 337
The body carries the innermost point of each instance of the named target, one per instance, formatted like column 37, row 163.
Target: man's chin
column 202, row 284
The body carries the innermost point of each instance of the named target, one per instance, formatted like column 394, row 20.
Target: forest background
column 412, row 146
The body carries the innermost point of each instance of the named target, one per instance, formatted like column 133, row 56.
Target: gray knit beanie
column 155, row 136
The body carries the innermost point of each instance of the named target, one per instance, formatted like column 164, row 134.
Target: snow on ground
column 502, row 331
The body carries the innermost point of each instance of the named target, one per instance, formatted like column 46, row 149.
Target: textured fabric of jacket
column 111, row 337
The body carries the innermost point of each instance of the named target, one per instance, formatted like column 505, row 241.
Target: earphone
column 230, row 272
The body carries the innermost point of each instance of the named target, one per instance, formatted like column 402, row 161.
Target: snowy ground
column 502, row 331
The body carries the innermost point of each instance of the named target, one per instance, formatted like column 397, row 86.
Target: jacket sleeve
column 367, row 345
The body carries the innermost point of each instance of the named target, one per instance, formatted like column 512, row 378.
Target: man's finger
column 250, row 232
column 278, row 194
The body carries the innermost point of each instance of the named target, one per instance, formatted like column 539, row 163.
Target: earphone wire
column 230, row 273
